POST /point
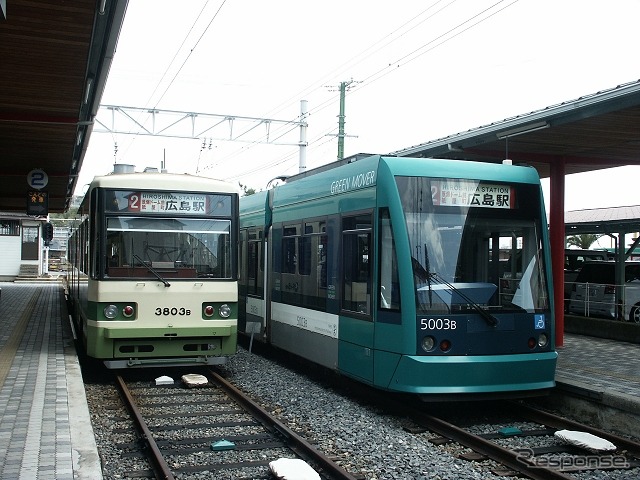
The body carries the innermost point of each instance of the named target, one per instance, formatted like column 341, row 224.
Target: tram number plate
column 174, row 311
column 437, row 324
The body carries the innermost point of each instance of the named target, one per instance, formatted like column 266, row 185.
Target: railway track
column 521, row 440
column 211, row 428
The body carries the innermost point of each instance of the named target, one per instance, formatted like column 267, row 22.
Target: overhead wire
column 175, row 56
column 422, row 50
column 353, row 61
column 366, row 53
column 361, row 56
column 192, row 49
column 405, row 28
column 279, row 160
column 405, row 59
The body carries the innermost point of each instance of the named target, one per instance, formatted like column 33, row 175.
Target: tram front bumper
column 474, row 374
column 159, row 332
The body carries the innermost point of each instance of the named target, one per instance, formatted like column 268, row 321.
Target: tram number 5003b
column 437, row 324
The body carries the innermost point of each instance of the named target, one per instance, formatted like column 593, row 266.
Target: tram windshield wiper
column 152, row 270
column 423, row 275
column 487, row 316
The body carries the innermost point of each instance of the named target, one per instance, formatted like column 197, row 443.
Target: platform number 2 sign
column 37, row 179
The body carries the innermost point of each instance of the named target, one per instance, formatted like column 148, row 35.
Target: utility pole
column 343, row 91
column 304, row 114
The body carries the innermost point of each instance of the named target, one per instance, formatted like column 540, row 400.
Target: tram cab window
column 175, row 248
column 465, row 255
column 389, row 284
column 356, row 251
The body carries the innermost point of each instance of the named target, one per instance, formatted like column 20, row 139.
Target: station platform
column 602, row 367
column 45, row 427
column 599, row 379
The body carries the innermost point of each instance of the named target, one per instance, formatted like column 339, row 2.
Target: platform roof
column 603, row 220
column 596, row 131
column 54, row 60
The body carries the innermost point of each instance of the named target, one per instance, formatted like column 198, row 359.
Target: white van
column 574, row 259
column 594, row 291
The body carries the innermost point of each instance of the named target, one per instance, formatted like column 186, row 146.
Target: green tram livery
column 423, row 276
column 153, row 277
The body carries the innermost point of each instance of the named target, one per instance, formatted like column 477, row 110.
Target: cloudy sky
column 419, row 70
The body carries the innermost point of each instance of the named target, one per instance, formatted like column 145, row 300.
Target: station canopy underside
column 54, row 57
column 55, row 61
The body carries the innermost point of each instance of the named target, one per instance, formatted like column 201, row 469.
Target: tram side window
column 289, row 253
column 305, row 255
column 313, row 265
column 85, row 248
column 95, row 251
column 254, row 258
column 389, row 283
column 356, row 250
column 290, row 276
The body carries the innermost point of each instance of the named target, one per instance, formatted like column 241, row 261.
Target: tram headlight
column 428, row 344
column 543, row 340
column 110, row 311
column 224, row 311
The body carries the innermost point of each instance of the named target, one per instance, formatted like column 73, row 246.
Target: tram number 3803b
column 172, row 311
column 437, row 324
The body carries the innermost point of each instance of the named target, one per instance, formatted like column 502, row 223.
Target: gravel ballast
column 366, row 441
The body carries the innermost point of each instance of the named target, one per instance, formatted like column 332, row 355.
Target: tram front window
column 466, row 256
column 175, row 248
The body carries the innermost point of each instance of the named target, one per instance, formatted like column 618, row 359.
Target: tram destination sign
column 167, row 202
column 151, row 202
column 469, row 193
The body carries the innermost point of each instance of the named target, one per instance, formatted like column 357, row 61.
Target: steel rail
column 300, row 445
column 490, row 449
column 161, row 468
column 555, row 421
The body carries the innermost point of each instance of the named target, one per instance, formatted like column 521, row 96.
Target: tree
column 246, row 190
column 69, row 218
column 583, row 241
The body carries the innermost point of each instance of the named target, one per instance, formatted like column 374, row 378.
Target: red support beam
column 557, row 238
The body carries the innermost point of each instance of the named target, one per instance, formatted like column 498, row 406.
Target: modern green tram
column 153, row 278
column 424, row 276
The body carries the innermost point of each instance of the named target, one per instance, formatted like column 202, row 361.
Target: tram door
column 356, row 319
